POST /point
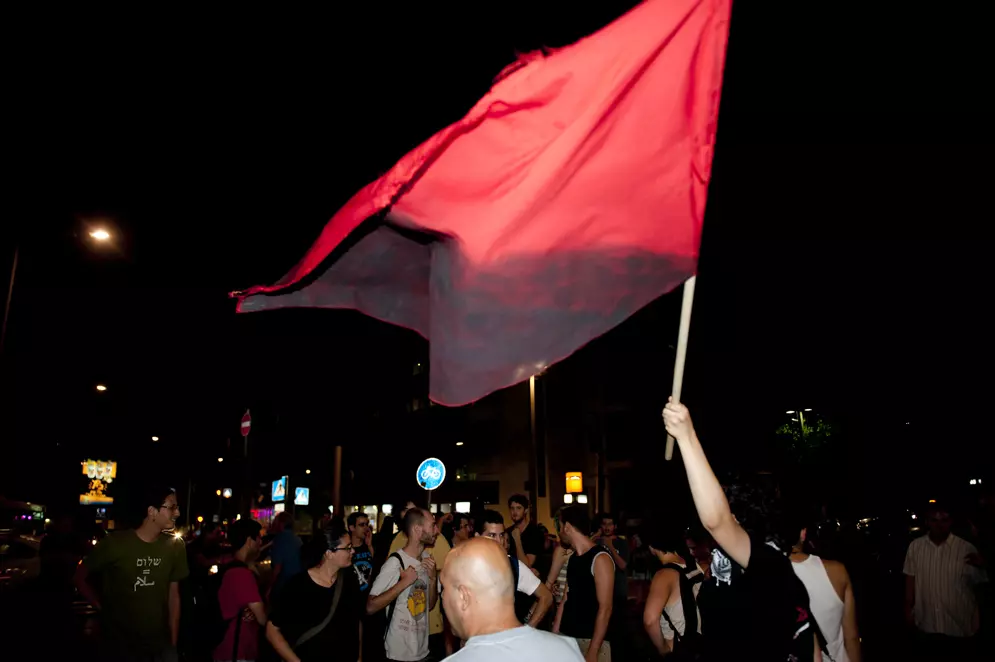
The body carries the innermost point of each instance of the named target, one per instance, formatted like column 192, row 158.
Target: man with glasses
column 490, row 525
column 139, row 573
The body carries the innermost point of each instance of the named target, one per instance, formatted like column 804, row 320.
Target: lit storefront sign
column 100, row 474
column 575, row 482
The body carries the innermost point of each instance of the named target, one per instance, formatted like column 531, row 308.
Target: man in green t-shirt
column 138, row 593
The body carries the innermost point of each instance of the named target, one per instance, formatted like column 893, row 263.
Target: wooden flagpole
column 682, row 351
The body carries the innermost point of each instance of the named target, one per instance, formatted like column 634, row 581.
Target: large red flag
column 569, row 197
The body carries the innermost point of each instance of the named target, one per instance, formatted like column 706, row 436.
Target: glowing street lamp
column 221, row 459
column 307, row 471
column 155, row 438
column 100, row 234
column 101, row 388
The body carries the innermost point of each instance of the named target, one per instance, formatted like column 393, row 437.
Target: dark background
column 844, row 263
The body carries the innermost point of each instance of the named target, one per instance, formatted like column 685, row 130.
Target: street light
column 800, row 419
column 307, row 471
column 155, row 438
column 101, row 388
column 459, row 443
column 221, row 459
column 100, row 234
column 218, row 492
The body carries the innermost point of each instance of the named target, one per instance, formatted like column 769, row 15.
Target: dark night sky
column 843, row 263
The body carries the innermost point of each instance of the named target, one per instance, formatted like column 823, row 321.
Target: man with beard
column 587, row 607
column 440, row 637
column 525, row 538
column 407, row 587
column 140, row 570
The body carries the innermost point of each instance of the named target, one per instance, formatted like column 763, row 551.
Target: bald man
column 478, row 595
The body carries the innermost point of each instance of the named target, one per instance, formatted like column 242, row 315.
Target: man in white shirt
column 479, row 597
column 490, row 525
column 942, row 572
column 407, row 587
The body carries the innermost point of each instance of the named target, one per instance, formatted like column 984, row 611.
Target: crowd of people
column 743, row 583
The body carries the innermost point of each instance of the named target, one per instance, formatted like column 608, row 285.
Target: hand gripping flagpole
column 682, row 351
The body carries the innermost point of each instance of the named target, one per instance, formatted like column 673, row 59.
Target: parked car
column 19, row 559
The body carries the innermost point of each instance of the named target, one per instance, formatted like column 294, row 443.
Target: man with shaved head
column 478, row 595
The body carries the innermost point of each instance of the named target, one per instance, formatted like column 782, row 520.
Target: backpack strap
column 688, row 603
column 390, row 607
column 515, row 569
column 238, row 615
column 238, row 632
column 316, row 630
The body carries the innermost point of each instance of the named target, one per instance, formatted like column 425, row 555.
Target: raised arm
column 709, row 500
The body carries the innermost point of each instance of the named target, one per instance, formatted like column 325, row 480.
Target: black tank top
column 581, row 608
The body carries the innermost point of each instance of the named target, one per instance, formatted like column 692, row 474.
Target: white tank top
column 676, row 611
column 825, row 604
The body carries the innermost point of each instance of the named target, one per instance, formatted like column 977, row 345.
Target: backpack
column 218, row 625
column 392, row 605
column 689, row 645
column 515, row 569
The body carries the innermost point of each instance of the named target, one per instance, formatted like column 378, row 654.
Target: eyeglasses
column 173, row 509
column 340, row 549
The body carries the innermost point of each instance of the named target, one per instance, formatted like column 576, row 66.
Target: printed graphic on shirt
column 362, row 563
column 418, row 599
column 145, row 566
column 721, row 567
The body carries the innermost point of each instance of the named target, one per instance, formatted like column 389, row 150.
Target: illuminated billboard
column 100, row 474
column 279, row 492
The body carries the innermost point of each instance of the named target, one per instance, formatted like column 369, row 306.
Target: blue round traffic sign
column 431, row 473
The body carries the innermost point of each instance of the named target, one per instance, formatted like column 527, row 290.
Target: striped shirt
column 944, row 581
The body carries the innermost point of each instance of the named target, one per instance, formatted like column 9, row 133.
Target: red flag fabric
column 569, row 197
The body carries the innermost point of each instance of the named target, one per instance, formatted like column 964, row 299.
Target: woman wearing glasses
column 316, row 616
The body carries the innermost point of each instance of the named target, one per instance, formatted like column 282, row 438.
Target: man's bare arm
column 82, row 581
column 616, row 557
column 559, row 558
column 709, row 500
column 657, row 600
column 279, row 644
column 544, row 599
column 604, row 582
column 851, row 635
column 174, row 612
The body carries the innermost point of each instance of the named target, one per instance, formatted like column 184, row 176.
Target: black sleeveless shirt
column 581, row 608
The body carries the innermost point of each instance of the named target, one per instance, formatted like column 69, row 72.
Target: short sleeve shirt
column 239, row 589
column 135, row 577
column 407, row 634
column 945, row 601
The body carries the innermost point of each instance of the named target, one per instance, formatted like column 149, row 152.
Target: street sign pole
column 245, row 499
column 429, row 476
